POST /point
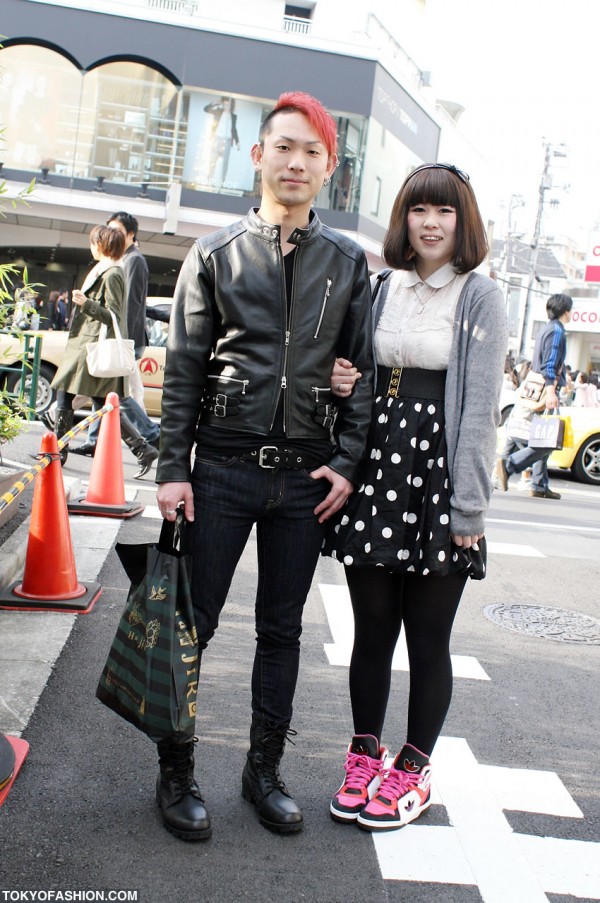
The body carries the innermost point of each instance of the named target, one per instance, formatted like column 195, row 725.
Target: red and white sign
column 592, row 260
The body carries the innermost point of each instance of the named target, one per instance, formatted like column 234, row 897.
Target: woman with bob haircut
column 413, row 533
column 102, row 292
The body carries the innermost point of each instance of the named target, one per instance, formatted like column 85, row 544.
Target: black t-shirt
column 215, row 439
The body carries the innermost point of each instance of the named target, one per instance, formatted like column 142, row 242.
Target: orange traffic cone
column 105, row 495
column 50, row 578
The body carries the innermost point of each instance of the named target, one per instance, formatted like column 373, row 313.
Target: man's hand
column 341, row 489
column 551, row 398
column 169, row 497
column 343, row 376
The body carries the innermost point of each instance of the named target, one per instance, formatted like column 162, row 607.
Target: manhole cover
column 549, row 623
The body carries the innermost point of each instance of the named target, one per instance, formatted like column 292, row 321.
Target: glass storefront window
column 126, row 123
column 40, row 93
column 387, row 163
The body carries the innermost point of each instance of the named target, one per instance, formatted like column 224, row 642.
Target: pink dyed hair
column 298, row 102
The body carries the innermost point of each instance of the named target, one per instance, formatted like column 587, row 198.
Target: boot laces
column 273, row 741
column 360, row 770
column 179, row 766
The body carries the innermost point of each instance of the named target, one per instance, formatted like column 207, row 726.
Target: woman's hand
column 465, row 542
column 78, row 297
column 343, row 377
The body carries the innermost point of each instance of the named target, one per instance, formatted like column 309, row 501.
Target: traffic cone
column 50, row 579
column 12, row 755
column 105, row 496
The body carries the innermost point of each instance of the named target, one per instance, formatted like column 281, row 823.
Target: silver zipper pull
column 284, row 382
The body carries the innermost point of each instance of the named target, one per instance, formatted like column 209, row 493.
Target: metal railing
column 294, row 25
column 30, row 370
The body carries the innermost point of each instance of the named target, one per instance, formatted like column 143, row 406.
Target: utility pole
column 545, row 184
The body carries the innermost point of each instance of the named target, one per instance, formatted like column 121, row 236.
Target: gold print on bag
column 158, row 594
column 152, row 632
column 134, row 616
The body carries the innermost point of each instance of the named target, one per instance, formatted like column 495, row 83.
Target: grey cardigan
column 472, row 399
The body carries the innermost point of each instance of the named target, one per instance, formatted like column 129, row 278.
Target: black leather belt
column 272, row 457
column 411, row 382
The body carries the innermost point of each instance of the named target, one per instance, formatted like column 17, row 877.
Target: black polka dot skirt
column 399, row 518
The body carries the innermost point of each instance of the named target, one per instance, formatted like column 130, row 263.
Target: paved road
column 516, row 815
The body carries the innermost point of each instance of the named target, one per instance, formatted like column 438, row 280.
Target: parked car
column 151, row 365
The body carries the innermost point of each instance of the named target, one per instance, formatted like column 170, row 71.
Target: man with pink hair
column 262, row 308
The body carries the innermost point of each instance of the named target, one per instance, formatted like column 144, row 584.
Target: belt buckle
column 261, row 456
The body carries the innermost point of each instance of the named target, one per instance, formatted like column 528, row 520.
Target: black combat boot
column 262, row 784
column 177, row 793
column 144, row 452
column 64, row 422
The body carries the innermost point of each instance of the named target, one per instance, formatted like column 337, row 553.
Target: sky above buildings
column 526, row 72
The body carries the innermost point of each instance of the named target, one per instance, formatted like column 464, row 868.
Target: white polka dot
column 444, row 519
column 369, row 490
column 418, row 406
column 392, row 495
column 359, row 525
column 373, row 510
column 402, row 424
column 429, row 463
column 410, row 568
column 379, row 474
column 423, row 444
column 403, row 554
column 412, row 518
column 442, row 556
column 413, row 442
column 345, row 520
column 367, row 547
column 390, row 401
column 373, row 453
column 435, row 498
column 425, row 571
column 382, row 418
column 378, row 455
column 337, row 528
column 409, row 479
column 476, row 546
column 396, row 458
column 417, row 481
column 455, row 556
column 348, row 559
column 386, row 532
column 431, row 409
column 440, row 462
column 436, row 427
column 445, row 484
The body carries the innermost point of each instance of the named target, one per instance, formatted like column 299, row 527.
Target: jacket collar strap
column 259, row 226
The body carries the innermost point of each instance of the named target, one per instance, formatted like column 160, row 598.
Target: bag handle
column 104, row 329
column 380, row 278
column 175, row 536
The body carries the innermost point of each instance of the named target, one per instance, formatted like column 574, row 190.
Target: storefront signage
column 592, row 260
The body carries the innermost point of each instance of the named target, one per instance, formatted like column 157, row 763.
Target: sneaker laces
column 397, row 782
column 360, row 770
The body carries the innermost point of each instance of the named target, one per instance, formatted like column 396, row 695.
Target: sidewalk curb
column 14, row 550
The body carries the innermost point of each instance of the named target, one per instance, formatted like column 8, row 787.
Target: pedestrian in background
column 414, row 532
column 261, row 310
column 135, row 274
column 102, row 293
column 586, row 393
column 549, row 360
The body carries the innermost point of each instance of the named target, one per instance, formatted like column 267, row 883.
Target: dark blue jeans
column 229, row 497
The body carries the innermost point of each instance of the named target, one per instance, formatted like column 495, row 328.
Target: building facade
column 151, row 106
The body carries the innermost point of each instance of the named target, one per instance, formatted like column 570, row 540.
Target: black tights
column 382, row 601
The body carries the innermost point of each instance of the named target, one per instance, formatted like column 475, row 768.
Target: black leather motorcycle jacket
column 236, row 347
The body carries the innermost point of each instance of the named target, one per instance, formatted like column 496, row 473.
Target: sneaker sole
column 377, row 825
column 344, row 818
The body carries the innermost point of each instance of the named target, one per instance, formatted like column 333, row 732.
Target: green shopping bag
column 151, row 675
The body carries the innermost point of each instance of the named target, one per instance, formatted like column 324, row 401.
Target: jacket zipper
column 322, row 389
column 287, row 337
column 232, row 379
column 323, row 306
